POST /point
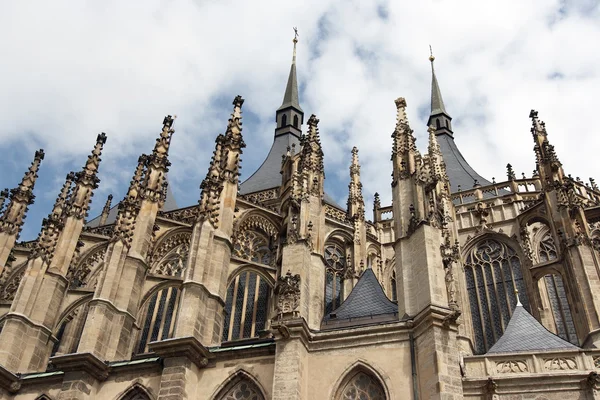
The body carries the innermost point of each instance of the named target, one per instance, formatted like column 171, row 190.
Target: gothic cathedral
column 461, row 288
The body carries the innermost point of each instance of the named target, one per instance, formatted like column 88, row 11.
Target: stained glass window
column 246, row 306
column 362, row 386
column 547, row 249
column 335, row 259
column 159, row 317
column 242, row 390
column 565, row 327
column 493, row 273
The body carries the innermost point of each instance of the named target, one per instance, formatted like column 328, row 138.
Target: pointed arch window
column 159, row 317
column 362, row 386
column 283, row 120
column 394, row 289
column 174, row 262
column 493, row 273
column 295, row 121
column 135, row 393
column 563, row 319
column 547, row 249
column 69, row 331
column 254, row 246
column 246, row 306
column 336, row 269
column 437, row 123
column 240, row 389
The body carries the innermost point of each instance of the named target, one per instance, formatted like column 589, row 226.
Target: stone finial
column 3, row 197
column 593, row 184
column 434, row 145
column 400, row 109
column 106, row 210
column 510, row 173
column 376, row 201
column 233, row 143
column 86, row 181
column 20, row 198
column 158, row 163
column 312, row 153
column 129, row 207
column 61, row 201
column 356, row 203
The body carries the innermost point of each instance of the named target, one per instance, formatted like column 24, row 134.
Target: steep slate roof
column 458, row 169
column 437, row 103
column 291, row 98
column 525, row 334
column 367, row 299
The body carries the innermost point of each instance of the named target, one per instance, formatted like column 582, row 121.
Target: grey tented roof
column 458, row 169
column 437, row 103
column 367, row 299
column 170, row 204
column 268, row 175
column 524, row 334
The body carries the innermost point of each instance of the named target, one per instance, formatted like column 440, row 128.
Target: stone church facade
column 268, row 289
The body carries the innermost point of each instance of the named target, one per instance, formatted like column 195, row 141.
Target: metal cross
column 295, row 33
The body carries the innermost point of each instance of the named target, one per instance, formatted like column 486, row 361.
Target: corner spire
column 438, row 116
column 356, row 203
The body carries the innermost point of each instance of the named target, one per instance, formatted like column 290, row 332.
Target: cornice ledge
column 9, row 381
column 86, row 362
column 188, row 347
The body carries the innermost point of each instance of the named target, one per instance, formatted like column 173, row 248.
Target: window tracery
column 246, row 306
column 362, row 386
column 170, row 256
column 80, row 274
column 160, row 312
column 255, row 239
column 493, row 273
column 244, row 389
column 547, row 248
column 9, row 287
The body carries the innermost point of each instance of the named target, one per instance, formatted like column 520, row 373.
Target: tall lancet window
column 547, row 249
column 393, row 288
column 158, row 321
column 336, row 266
column 246, row 306
column 563, row 320
column 493, row 273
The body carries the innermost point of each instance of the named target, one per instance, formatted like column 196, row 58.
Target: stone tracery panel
column 362, row 386
column 11, row 281
column 83, row 274
column 241, row 388
column 255, row 239
column 170, row 255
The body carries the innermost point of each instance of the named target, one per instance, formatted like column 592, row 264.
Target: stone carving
column 185, row 215
column 511, row 367
column 450, row 255
column 224, row 166
column 79, row 273
column 337, row 215
column 596, row 362
column 170, row 256
column 559, row 363
column 259, row 198
column 21, row 198
column 287, row 290
column 86, row 181
column 8, row 291
column 106, row 230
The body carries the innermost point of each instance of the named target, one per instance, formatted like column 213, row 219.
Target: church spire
column 289, row 115
column 438, row 117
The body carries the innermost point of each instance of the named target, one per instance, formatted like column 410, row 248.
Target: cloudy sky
column 73, row 69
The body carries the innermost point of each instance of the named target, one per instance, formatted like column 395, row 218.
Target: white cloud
column 71, row 70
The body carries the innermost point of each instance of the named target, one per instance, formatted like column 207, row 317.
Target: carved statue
column 287, row 290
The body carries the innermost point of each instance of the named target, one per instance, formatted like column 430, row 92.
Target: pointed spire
column 356, row 202
column 20, row 198
column 437, row 103
column 290, row 98
column 404, row 148
column 438, row 117
column 60, row 204
column 4, row 196
column 158, row 162
column 130, row 205
column 86, row 181
column 106, row 210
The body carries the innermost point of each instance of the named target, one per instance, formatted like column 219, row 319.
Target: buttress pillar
column 25, row 341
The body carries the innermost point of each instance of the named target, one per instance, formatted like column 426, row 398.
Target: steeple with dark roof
column 289, row 115
column 438, row 118
column 460, row 173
